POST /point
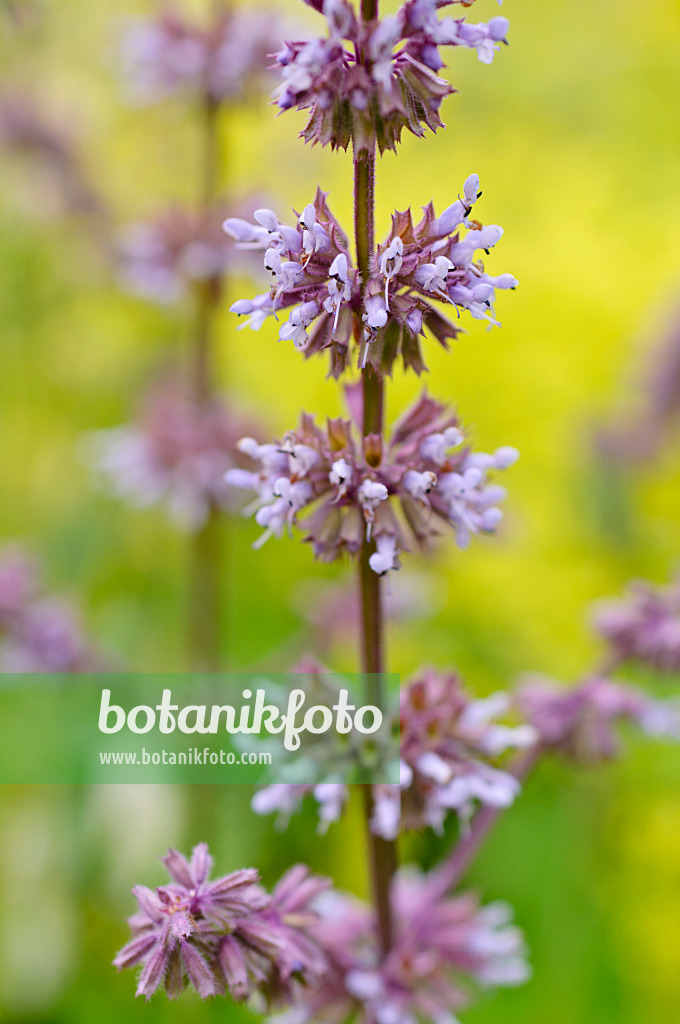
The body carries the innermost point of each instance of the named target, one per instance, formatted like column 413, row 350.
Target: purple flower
column 401, row 495
column 223, row 61
column 366, row 82
column 285, row 798
column 443, row 949
column 177, row 454
column 580, row 721
column 452, row 748
column 160, row 259
column 644, row 626
column 416, row 266
column 29, row 130
column 223, row 934
column 451, row 752
column 39, row 633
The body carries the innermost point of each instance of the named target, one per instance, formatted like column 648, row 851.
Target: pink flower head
column 452, row 747
column 223, row 61
column 644, row 626
column 341, row 491
column 443, row 949
column 161, row 259
column 365, row 83
column 580, row 721
column 223, row 934
column 417, row 265
column 177, row 453
column 39, row 632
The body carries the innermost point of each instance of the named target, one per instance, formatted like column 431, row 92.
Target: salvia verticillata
column 423, row 949
column 400, row 492
column 176, row 454
column 38, row 631
column 435, row 261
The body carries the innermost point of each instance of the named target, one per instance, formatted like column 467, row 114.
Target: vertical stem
column 205, row 611
column 382, row 854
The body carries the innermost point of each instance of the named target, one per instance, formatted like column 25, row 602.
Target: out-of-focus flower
column 160, row 259
column 400, row 495
column 365, row 82
column 226, row 934
column 580, row 721
column 39, row 633
column 416, row 266
column 444, row 948
column 28, row 130
column 638, row 434
column 283, row 799
column 177, row 453
column 645, row 625
column 452, row 749
column 223, row 61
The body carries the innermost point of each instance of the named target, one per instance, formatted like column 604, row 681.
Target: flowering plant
column 423, row 949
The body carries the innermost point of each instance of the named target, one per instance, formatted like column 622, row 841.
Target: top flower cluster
column 386, row 80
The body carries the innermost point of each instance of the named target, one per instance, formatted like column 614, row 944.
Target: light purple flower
column 226, row 934
column 222, row 61
column 39, row 632
column 444, row 948
column 580, row 721
column 342, row 492
column 310, row 262
column 161, row 259
column 29, row 130
column 452, row 752
column 176, row 454
column 644, row 626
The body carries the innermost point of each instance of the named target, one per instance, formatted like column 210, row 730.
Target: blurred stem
column 467, row 848
column 205, row 607
column 382, row 853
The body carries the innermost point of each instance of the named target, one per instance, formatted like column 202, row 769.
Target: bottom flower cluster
column 227, row 934
column 443, row 948
column 315, row 950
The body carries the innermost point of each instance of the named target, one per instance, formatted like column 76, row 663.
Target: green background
column 575, row 134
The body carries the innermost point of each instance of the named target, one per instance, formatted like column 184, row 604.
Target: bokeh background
column 575, row 134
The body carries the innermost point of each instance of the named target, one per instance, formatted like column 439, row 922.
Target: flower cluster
column 401, row 495
column 451, row 747
column 640, row 431
column 223, row 61
column 159, row 259
column 579, row 721
column 451, row 750
column 644, row 626
column 177, row 453
column 366, row 82
column 433, row 261
column 443, row 948
column 28, row 129
column 226, row 934
column 39, row 633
